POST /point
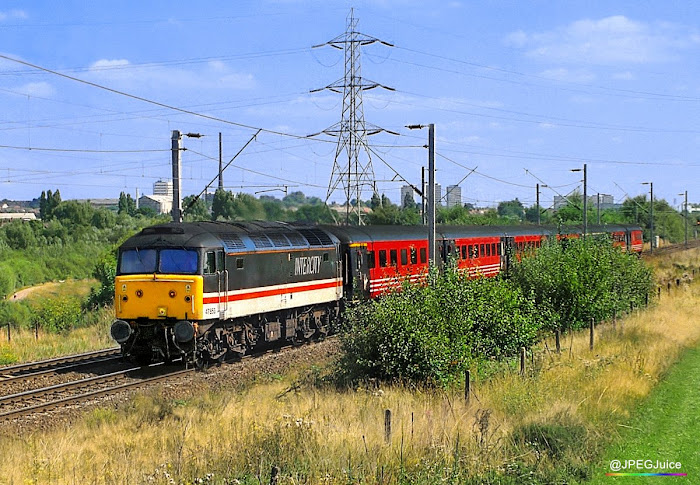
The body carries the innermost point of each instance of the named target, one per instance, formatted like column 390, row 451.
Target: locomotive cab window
column 239, row 263
column 209, row 262
column 135, row 261
column 178, row 261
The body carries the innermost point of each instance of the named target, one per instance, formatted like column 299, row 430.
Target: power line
column 150, row 101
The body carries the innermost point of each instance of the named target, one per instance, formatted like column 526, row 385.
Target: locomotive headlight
column 120, row 331
column 184, row 331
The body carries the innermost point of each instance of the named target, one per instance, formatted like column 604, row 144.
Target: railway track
column 65, row 394
column 63, row 364
column 671, row 248
column 74, row 392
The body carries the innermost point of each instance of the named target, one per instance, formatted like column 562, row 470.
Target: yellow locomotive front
column 158, row 301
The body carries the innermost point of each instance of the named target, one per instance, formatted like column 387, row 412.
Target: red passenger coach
column 378, row 259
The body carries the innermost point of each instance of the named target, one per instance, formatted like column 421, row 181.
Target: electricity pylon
column 354, row 172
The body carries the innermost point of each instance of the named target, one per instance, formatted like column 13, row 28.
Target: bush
column 431, row 334
column 59, row 314
column 580, row 279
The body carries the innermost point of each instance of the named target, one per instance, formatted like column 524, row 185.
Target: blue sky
column 524, row 91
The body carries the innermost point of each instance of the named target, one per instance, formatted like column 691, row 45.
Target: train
column 203, row 292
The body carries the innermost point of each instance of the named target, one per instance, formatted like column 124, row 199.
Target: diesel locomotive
column 205, row 291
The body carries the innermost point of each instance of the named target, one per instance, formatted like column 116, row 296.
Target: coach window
column 370, row 260
column 239, row 263
column 414, row 256
column 404, row 257
column 464, row 252
column 498, row 248
column 393, row 257
column 382, row 258
column 423, row 255
column 488, row 250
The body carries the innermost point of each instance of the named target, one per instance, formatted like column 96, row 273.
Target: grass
column 547, row 426
column 677, row 265
column 665, row 427
column 24, row 347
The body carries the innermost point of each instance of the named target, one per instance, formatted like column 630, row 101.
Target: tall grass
column 545, row 426
column 25, row 347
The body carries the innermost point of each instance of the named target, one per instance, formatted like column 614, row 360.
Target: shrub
column 432, row 333
column 582, row 279
column 59, row 314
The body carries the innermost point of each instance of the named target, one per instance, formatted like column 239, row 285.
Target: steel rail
column 10, row 370
column 15, row 413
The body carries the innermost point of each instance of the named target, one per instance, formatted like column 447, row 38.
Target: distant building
column 163, row 187
column 606, row 201
column 17, row 216
column 454, row 196
column 162, row 204
column 407, row 192
column 438, row 193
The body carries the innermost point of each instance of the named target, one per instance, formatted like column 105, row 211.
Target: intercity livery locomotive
column 206, row 291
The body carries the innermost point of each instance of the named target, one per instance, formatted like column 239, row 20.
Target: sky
column 522, row 92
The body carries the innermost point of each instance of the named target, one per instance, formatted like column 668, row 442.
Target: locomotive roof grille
column 231, row 241
column 296, row 240
column 279, row 240
column 261, row 241
column 316, row 237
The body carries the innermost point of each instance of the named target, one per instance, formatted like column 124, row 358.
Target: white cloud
column 40, row 89
column 624, row 76
column 106, row 63
column 569, row 75
column 611, row 40
column 13, row 14
column 214, row 75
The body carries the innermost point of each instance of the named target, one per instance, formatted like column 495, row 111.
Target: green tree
column 315, row 214
column 511, row 209
column 48, row 203
column 195, row 210
column 375, row 201
column 222, row 205
column 19, row 235
column 74, row 213
column 127, row 205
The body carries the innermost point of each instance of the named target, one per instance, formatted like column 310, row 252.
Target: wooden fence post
column 387, row 425
column 522, row 361
column 592, row 330
column 557, row 339
column 9, row 336
column 274, row 475
column 467, row 386
column 36, row 331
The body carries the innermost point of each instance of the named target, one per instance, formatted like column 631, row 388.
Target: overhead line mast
column 356, row 173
